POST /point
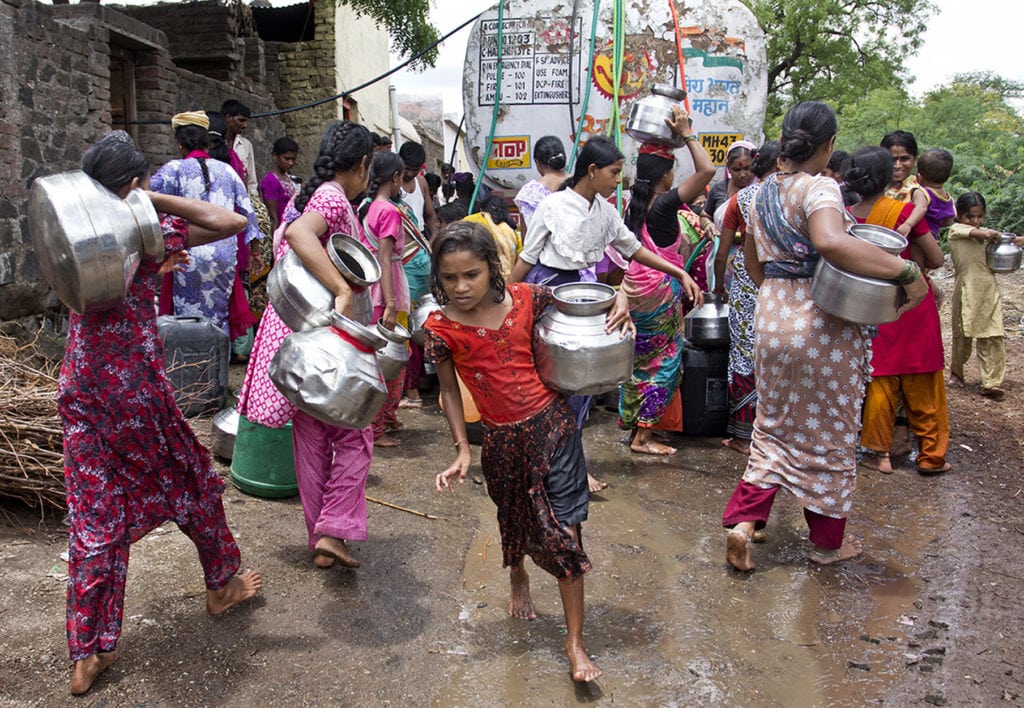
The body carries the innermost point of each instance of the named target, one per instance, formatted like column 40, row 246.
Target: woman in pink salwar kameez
column 331, row 463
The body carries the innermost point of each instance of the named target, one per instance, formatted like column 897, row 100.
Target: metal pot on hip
column 572, row 352
column 303, row 302
column 332, row 373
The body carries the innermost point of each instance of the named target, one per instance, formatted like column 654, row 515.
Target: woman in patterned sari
column 650, row 399
column 742, row 299
column 811, row 367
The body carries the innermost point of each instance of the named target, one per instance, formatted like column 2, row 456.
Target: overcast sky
column 964, row 36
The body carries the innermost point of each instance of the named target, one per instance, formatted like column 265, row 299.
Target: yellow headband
column 191, row 118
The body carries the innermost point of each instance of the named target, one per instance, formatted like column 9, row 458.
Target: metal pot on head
column 646, row 121
column 303, row 302
column 572, row 352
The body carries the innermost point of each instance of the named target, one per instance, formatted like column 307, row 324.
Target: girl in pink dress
column 331, row 463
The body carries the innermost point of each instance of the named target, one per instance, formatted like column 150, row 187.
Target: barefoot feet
column 877, row 461
column 386, row 440
column 737, row 549
column 738, row 444
column 337, row 549
column 323, row 562
column 652, row 447
column 594, row 484
column 239, row 589
column 86, row 670
column 583, row 669
column 824, row 556
column 520, row 604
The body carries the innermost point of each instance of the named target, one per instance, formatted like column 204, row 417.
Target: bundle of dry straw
column 31, row 440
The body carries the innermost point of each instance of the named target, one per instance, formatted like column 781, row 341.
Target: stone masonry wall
column 55, row 80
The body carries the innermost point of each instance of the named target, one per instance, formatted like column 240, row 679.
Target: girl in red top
column 532, row 456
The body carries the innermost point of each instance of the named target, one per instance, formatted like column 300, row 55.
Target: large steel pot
column 332, row 373
column 708, row 325
column 89, row 242
column 303, row 302
column 418, row 318
column 646, row 121
column 572, row 352
column 223, row 432
column 395, row 354
column 858, row 298
column 1003, row 255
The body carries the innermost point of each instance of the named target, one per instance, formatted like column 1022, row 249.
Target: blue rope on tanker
column 497, row 109
column 590, row 81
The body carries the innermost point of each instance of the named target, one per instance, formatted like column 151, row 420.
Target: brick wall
column 55, row 80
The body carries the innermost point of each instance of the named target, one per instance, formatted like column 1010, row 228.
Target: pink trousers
column 752, row 503
column 331, row 466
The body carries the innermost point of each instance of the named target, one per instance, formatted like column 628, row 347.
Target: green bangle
column 911, row 272
column 688, row 138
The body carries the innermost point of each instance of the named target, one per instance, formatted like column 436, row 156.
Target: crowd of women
column 806, row 388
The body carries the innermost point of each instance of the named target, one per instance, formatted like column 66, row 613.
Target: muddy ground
column 931, row 614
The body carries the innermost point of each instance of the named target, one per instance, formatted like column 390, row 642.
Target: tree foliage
column 406, row 22
column 974, row 117
column 836, row 50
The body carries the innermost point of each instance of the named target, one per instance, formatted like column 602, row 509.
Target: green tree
column 836, row 50
column 406, row 21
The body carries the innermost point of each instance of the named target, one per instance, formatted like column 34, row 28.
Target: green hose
column 497, row 108
column 590, row 81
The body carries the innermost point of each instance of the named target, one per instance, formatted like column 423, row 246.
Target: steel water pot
column 89, row 242
column 708, row 325
column 418, row 318
column 646, row 121
column 1003, row 255
column 572, row 352
column 303, row 302
column 332, row 373
column 223, row 431
column 394, row 355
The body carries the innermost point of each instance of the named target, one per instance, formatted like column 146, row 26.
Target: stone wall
column 55, row 79
column 303, row 72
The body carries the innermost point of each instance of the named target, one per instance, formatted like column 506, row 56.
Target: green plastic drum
column 263, row 464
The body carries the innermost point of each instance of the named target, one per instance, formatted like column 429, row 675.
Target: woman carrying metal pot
column 811, row 367
column 131, row 461
column 331, row 463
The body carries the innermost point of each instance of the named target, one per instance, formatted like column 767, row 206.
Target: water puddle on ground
column 671, row 625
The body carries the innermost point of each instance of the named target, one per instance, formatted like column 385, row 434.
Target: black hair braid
column 325, row 166
column 371, row 192
column 640, row 195
column 205, row 171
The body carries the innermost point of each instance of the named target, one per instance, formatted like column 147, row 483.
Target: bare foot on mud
column 520, row 604
column 849, row 549
column 86, row 670
column 239, row 589
column 741, row 446
column 583, row 669
column 877, row 461
column 930, row 471
column 594, row 484
column 386, row 441
column 337, row 549
column 652, row 447
column 323, row 562
column 737, row 549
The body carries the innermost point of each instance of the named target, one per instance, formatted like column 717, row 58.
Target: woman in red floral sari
column 131, row 462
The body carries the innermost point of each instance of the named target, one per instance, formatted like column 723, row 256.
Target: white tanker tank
column 551, row 60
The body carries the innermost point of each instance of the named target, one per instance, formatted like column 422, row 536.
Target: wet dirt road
column 423, row 621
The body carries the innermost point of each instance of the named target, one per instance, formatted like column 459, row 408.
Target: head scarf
column 191, row 118
column 741, row 144
column 658, row 150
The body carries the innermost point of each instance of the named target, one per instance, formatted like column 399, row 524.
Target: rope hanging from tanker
column 618, row 53
column 679, row 51
column 497, row 107
column 590, row 81
column 339, row 96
